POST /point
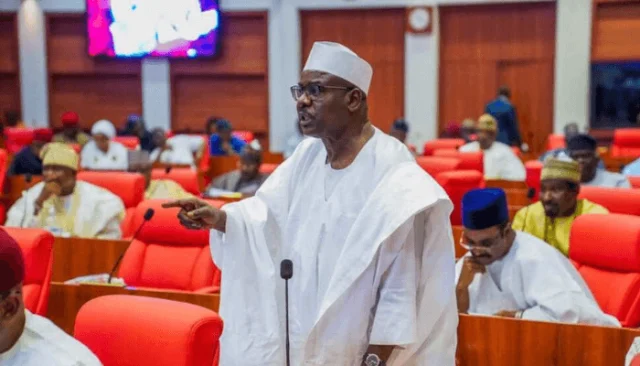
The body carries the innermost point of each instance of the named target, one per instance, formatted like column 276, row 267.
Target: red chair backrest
column 433, row 145
column 17, row 138
column 626, row 142
column 469, row 160
column 634, row 180
column 167, row 255
column 268, row 168
column 616, row 200
column 186, row 177
column 4, row 166
column 128, row 330
column 37, row 247
column 456, row 184
column 130, row 142
column 129, row 187
column 246, row 136
column 608, row 250
column 435, row 165
column 555, row 141
column 534, row 172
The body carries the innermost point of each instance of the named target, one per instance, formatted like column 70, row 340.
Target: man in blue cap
column 223, row 142
column 513, row 274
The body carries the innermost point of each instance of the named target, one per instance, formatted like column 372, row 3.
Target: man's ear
column 9, row 307
column 355, row 99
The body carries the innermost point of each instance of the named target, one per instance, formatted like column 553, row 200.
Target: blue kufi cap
column 484, row 208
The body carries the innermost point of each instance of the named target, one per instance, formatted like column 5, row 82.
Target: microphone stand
column 286, row 272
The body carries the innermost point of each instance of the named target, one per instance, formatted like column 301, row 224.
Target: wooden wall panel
column 95, row 97
column 9, row 92
column 485, row 46
column 9, row 64
column 377, row 35
column 233, row 85
column 95, row 88
column 616, row 27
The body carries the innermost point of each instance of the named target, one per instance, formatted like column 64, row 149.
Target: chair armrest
column 208, row 290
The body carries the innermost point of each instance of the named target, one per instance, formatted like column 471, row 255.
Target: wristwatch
column 371, row 359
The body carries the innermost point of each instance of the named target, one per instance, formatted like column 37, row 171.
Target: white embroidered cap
column 338, row 60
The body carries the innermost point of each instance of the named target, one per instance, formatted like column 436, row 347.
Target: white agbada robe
column 116, row 158
column 536, row 278
column 42, row 343
column 183, row 148
column 500, row 162
column 605, row 178
column 98, row 215
column 372, row 253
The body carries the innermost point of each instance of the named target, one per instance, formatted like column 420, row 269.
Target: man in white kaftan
column 515, row 274
column 64, row 206
column 177, row 150
column 500, row 162
column 369, row 237
column 102, row 153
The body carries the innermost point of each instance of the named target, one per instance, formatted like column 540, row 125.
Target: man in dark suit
column 505, row 113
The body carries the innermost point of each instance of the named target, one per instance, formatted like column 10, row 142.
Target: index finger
column 177, row 203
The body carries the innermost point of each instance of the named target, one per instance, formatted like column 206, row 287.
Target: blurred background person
column 102, row 153
column 135, row 126
column 27, row 160
column 223, row 142
column 71, row 133
column 247, row 179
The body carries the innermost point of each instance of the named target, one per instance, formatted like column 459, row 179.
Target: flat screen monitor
column 615, row 94
column 153, row 28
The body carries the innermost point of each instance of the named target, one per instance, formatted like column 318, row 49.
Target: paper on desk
column 215, row 192
column 97, row 279
column 632, row 358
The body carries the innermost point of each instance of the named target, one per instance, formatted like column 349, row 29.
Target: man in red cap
column 71, row 133
column 27, row 160
column 28, row 339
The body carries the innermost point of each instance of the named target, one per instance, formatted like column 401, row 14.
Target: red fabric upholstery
column 456, row 184
column 616, row 200
column 76, row 147
column 534, row 171
column 246, row 136
column 186, row 177
column 634, row 180
column 607, row 247
column 17, row 138
column 4, row 166
column 517, row 151
column 468, row 160
column 431, row 146
column 166, row 255
column 130, row 142
column 435, row 165
column 555, row 141
column 37, row 247
column 626, row 142
column 126, row 330
column 268, row 168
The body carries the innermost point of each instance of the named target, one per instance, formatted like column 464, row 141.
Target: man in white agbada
column 102, row 153
column 64, row 206
column 178, row 150
column 27, row 339
column 500, row 162
column 367, row 231
column 583, row 149
column 513, row 274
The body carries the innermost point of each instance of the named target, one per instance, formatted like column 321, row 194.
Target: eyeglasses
column 313, row 90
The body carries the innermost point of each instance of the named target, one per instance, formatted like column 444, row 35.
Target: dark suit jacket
column 505, row 113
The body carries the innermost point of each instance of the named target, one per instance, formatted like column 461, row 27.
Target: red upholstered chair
column 472, row 160
column 435, row 165
column 129, row 187
column 634, row 180
column 186, row 177
column 76, row 147
column 431, row 146
column 534, row 171
column 607, row 247
column 168, row 256
column 516, row 150
column 124, row 330
column 37, row 247
column 626, row 142
column 246, row 136
column 17, row 138
column 616, row 200
column 130, row 142
column 456, row 183
column 268, row 168
column 555, row 141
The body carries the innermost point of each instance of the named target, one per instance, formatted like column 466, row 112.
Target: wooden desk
column 66, row 300
column 505, row 184
column 15, row 185
column 491, row 341
column 74, row 257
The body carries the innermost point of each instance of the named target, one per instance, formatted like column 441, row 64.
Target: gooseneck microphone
column 147, row 216
column 25, row 197
column 286, row 272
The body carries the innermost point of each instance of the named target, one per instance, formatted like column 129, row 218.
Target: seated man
column 161, row 188
column 583, row 149
column 27, row 339
column 223, row 142
column 178, row 150
column 570, row 130
column 71, row 133
column 400, row 130
column 102, row 153
column 65, row 206
column 550, row 218
column 247, row 179
column 27, row 160
column 513, row 274
column 500, row 162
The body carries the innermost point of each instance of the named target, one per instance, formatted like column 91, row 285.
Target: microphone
column 147, row 216
column 531, row 193
column 25, row 196
column 167, row 169
column 286, row 272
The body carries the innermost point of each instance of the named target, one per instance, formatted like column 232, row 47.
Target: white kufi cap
column 338, row 60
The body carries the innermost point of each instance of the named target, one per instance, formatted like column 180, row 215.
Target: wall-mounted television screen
column 615, row 94
column 153, row 28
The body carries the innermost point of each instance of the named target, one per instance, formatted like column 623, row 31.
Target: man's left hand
column 506, row 313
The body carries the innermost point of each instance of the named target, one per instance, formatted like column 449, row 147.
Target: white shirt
column 183, row 148
column 44, row 344
column 500, row 162
column 116, row 158
column 605, row 178
column 536, row 278
column 372, row 255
